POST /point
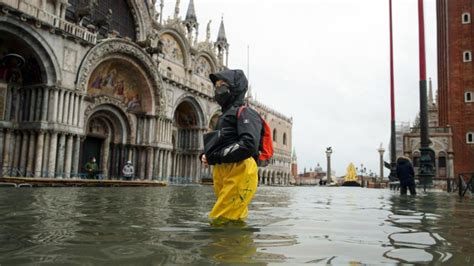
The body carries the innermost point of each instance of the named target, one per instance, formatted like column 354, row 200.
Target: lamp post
column 328, row 156
column 393, row 150
column 381, row 151
column 426, row 170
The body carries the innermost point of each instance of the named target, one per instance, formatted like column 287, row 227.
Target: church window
column 470, row 138
column 468, row 97
column 284, row 138
column 467, row 56
column 274, row 135
column 466, row 18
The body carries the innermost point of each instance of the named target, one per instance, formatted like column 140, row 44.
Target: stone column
column 80, row 122
column 39, row 98
column 71, row 108
column 39, row 154
column 54, row 110
column 16, row 149
column 2, row 137
column 47, row 145
column 31, row 154
column 6, row 149
column 68, row 155
column 60, row 106
column 150, row 163
column 44, row 111
column 75, row 156
column 156, row 163
column 65, row 108
column 60, row 156
column 53, row 142
column 24, row 151
column 75, row 117
column 32, row 104
column 105, row 158
column 142, row 157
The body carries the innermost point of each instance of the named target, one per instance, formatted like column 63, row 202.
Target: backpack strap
column 241, row 108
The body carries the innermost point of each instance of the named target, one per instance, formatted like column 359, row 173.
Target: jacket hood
column 237, row 82
column 403, row 160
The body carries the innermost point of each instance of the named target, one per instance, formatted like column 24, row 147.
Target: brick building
column 456, row 79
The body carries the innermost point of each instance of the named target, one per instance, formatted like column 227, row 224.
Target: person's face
column 220, row 83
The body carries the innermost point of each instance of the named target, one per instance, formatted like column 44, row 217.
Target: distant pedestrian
column 128, row 171
column 91, row 168
column 406, row 175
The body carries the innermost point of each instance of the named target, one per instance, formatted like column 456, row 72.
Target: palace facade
column 114, row 81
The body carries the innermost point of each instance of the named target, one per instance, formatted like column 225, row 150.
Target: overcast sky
column 326, row 64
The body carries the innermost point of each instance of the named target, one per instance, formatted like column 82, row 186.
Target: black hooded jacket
column 235, row 138
column 405, row 172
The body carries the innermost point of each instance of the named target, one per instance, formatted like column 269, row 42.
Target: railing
column 53, row 20
column 465, row 184
column 185, row 82
column 432, row 130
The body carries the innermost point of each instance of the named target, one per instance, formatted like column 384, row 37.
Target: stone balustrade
column 50, row 19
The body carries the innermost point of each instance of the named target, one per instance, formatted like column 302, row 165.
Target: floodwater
column 294, row 225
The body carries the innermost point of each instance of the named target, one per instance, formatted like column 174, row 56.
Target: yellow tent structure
column 351, row 175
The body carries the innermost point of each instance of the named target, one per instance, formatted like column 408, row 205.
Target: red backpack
column 266, row 141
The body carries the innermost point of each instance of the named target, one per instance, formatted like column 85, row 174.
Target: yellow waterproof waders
column 234, row 186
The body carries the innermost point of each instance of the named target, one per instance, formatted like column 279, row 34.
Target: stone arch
column 182, row 42
column 209, row 59
column 115, row 117
column 107, row 130
column 50, row 68
column 213, row 120
column 188, row 99
column 138, row 12
column 120, row 49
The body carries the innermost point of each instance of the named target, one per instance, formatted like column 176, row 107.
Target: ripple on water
column 285, row 225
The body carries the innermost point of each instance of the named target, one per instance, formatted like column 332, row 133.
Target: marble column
column 75, row 156
column 47, row 145
column 80, row 123
column 75, row 118
column 16, row 150
column 39, row 98
column 39, row 154
column 149, row 160
column 44, row 111
column 60, row 106
column 105, row 158
column 2, row 137
column 53, row 142
column 142, row 156
column 60, row 155
column 66, row 107
column 32, row 105
column 71, row 108
column 6, row 149
column 31, row 154
column 68, row 160
column 24, row 151
column 156, row 163
column 54, row 110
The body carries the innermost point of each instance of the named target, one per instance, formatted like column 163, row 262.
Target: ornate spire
column 222, row 45
column 221, row 35
column 191, row 13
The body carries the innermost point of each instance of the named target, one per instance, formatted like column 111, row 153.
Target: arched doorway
column 187, row 140
column 107, row 132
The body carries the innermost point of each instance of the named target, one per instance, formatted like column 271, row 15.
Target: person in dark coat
column 406, row 175
column 233, row 148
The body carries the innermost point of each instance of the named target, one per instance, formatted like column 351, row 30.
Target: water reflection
column 286, row 225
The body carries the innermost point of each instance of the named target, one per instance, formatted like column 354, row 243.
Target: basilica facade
column 82, row 79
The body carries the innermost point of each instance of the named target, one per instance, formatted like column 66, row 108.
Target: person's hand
column 204, row 160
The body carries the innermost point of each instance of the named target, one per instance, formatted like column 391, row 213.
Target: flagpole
column 393, row 151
